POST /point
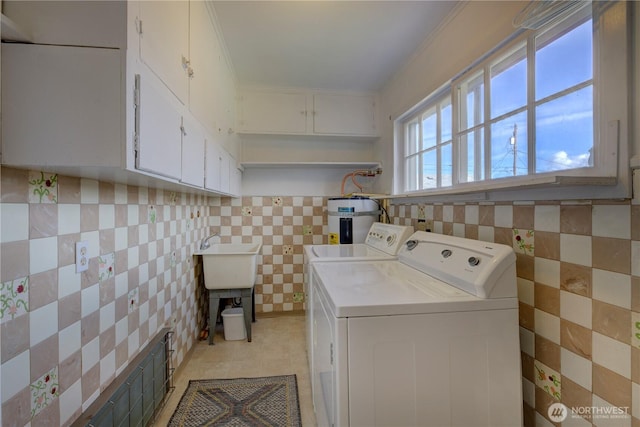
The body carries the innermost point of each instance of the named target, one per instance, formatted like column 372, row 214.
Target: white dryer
column 431, row 339
column 382, row 243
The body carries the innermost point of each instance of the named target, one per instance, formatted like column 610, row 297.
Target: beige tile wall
column 64, row 336
column 283, row 225
column 578, row 267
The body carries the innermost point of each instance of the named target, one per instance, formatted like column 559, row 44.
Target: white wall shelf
column 325, row 165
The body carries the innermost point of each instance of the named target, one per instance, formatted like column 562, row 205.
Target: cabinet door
column 344, row 114
column 226, row 101
column 235, row 179
column 213, row 165
column 220, row 170
column 271, row 112
column 225, row 172
column 204, row 55
column 164, row 42
column 324, row 372
column 46, row 119
column 159, row 130
column 193, row 143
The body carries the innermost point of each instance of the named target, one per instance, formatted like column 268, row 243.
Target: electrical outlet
column 82, row 256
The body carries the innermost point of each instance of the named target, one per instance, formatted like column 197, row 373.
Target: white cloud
column 579, row 160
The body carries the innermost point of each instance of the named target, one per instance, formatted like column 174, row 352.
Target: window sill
column 543, row 187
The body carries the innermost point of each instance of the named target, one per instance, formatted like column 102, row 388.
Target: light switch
column 82, row 256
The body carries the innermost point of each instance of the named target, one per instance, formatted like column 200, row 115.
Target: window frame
column 605, row 179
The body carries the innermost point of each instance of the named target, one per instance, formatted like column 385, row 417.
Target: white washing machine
column 382, row 242
column 431, row 339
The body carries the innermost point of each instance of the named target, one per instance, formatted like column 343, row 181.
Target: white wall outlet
column 82, row 256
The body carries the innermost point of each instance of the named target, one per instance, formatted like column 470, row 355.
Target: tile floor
column 278, row 347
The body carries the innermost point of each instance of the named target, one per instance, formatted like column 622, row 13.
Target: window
column 564, row 99
column 428, row 147
column 527, row 109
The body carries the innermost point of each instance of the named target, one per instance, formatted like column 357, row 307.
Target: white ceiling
column 340, row 45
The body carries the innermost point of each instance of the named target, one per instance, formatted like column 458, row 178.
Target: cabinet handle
column 184, row 132
column 190, row 72
column 185, row 63
column 138, row 25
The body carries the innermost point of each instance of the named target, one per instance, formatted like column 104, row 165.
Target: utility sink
column 230, row 265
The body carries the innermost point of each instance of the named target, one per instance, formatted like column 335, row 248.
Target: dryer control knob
column 473, row 261
column 391, row 238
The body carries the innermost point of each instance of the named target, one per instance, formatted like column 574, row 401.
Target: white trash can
column 233, row 321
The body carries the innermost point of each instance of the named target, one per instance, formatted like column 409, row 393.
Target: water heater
column 350, row 218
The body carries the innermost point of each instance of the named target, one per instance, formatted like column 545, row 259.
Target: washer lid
column 385, row 288
column 352, row 252
column 383, row 241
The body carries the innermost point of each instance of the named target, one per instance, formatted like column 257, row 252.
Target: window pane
column 446, row 165
column 563, row 60
column 509, row 147
column 412, row 135
column 509, row 83
column 430, row 169
column 471, row 156
column 411, row 173
column 564, row 132
column 429, row 129
column 471, row 101
column 445, row 120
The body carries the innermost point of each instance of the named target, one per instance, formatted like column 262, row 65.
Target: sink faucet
column 205, row 243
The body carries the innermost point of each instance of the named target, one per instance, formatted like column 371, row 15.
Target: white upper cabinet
column 339, row 114
column 225, row 171
column 221, row 171
column 159, row 131
column 213, row 166
column 225, row 109
column 273, row 112
column 139, row 112
column 163, row 27
column 205, row 54
column 61, row 105
column 307, row 113
column 193, row 153
column 235, row 179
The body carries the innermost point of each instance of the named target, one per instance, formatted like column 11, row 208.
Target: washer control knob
column 473, row 261
column 446, row 253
